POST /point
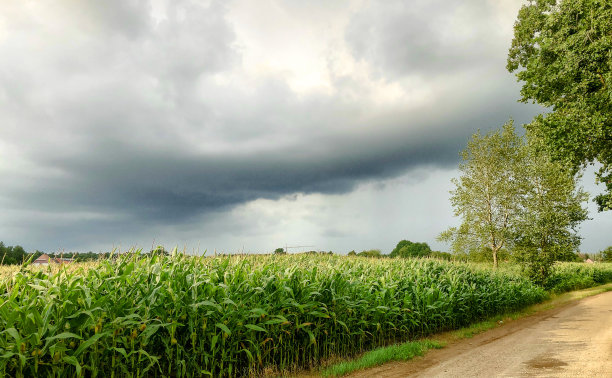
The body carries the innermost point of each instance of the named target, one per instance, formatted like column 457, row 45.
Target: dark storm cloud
column 170, row 183
column 115, row 120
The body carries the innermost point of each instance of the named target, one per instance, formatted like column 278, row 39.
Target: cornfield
column 574, row 276
column 233, row 316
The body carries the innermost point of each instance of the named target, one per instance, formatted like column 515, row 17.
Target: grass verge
column 379, row 356
column 411, row 349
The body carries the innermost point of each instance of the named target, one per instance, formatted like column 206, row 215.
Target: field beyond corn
column 233, row 316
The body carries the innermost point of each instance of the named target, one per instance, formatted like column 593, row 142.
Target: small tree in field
column 280, row 251
column 512, row 194
column 406, row 248
column 551, row 210
column 370, row 253
column 485, row 196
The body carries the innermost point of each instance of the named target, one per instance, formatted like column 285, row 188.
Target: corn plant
column 574, row 275
column 233, row 316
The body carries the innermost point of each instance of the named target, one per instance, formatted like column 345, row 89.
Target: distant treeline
column 16, row 255
column 406, row 249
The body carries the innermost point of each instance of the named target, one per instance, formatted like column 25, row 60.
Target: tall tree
column 11, row 255
column 406, row 248
column 551, row 210
column 485, row 196
column 512, row 194
column 562, row 51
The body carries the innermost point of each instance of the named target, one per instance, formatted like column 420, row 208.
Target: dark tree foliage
column 441, row 255
column 159, row 250
column 606, row 254
column 406, row 248
column 562, row 52
column 16, row 255
column 11, row 255
column 371, row 253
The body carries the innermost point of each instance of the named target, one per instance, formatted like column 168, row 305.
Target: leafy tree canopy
column 406, row 248
column 485, row 195
column 562, row 52
column 10, row 255
column 551, row 211
column 370, row 253
column 511, row 195
column 441, row 255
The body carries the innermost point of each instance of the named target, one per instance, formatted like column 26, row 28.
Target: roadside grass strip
column 379, row 356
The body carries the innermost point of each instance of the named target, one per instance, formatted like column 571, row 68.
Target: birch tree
column 551, row 210
column 511, row 194
column 486, row 194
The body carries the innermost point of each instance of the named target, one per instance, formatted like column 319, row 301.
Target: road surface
column 574, row 340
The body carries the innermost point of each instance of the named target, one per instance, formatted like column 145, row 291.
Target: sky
column 243, row 126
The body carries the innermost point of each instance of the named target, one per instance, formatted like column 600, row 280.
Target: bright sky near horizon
column 246, row 126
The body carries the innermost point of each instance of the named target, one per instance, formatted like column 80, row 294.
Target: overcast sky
column 246, row 125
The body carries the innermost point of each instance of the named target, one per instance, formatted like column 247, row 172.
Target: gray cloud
column 117, row 120
column 426, row 37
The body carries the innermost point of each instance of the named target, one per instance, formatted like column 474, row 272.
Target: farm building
column 45, row 259
column 42, row 260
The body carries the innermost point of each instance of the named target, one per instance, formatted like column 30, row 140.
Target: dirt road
column 571, row 341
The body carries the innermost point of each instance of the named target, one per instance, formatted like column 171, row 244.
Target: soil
column 573, row 340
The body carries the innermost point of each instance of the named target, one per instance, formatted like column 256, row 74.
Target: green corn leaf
column 87, row 343
column 74, row 362
column 224, row 328
column 121, row 351
column 255, row 328
column 63, row 336
column 318, row 314
column 13, row 333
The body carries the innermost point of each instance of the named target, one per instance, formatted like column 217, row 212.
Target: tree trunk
column 494, row 258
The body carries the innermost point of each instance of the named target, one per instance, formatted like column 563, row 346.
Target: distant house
column 42, row 260
column 45, row 259
column 588, row 261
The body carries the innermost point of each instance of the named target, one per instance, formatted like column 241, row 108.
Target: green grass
column 379, row 356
